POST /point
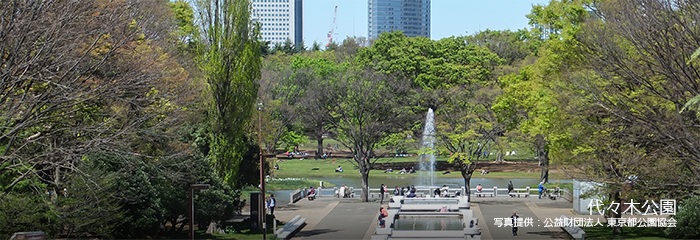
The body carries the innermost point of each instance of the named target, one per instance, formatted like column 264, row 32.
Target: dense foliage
column 110, row 110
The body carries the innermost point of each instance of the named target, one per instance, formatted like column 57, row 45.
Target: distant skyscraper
column 279, row 20
column 410, row 16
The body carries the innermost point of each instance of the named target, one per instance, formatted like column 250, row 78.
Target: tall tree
column 466, row 125
column 313, row 72
column 77, row 77
column 229, row 57
column 636, row 80
column 530, row 99
column 365, row 107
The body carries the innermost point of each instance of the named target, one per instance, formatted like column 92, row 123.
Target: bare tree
column 76, row 76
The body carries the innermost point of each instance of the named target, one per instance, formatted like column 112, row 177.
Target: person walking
column 510, row 188
column 514, row 218
column 382, row 189
column 541, row 189
column 272, row 202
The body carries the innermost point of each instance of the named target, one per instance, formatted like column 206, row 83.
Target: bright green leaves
column 229, row 56
column 460, row 158
column 429, row 64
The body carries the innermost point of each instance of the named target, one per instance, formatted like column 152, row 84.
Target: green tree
column 688, row 218
column 466, row 125
column 365, row 107
column 229, row 57
column 316, row 47
column 530, row 99
column 429, row 64
column 317, row 72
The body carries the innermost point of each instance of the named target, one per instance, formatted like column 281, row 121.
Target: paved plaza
column 349, row 218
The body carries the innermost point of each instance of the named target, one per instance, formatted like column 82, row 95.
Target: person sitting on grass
column 412, row 170
column 339, row 169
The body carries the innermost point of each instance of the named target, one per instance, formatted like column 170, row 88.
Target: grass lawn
column 604, row 232
column 295, row 168
column 522, row 154
column 293, row 183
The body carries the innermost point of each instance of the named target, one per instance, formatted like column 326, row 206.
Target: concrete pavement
column 349, row 218
column 503, row 208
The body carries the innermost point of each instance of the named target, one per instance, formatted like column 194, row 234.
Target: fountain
column 421, row 218
column 427, row 158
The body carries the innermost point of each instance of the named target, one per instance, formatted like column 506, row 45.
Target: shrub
column 688, row 217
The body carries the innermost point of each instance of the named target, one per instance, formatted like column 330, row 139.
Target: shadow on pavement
column 314, row 232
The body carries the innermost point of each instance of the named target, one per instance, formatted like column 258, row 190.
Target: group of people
column 444, row 191
column 409, row 191
column 412, row 170
column 344, row 192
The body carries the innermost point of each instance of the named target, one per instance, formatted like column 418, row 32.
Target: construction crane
column 333, row 27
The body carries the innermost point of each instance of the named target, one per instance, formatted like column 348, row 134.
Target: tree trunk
column 467, row 181
column 499, row 157
column 364, row 170
column 543, row 157
column 319, row 147
column 544, row 162
column 616, row 199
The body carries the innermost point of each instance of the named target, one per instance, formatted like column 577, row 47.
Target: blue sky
column 448, row 17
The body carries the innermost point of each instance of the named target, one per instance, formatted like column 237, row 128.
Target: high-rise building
column 280, row 20
column 410, row 16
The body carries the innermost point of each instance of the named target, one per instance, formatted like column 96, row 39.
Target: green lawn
column 522, row 154
column 293, row 183
column 295, row 168
column 640, row 233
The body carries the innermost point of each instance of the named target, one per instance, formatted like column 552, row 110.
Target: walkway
column 503, row 207
column 336, row 218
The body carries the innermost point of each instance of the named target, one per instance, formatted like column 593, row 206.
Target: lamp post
column 262, row 174
column 192, row 188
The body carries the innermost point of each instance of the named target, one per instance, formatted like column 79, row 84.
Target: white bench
column 483, row 194
column 518, row 193
column 575, row 232
column 292, row 227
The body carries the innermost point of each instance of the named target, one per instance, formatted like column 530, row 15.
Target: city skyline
column 279, row 20
column 410, row 16
column 448, row 17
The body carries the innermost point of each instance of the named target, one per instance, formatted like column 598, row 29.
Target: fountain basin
column 429, row 204
column 434, row 218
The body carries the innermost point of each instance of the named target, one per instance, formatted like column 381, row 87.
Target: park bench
column 291, row 228
column 483, row 194
column 518, row 193
column 575, row 231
